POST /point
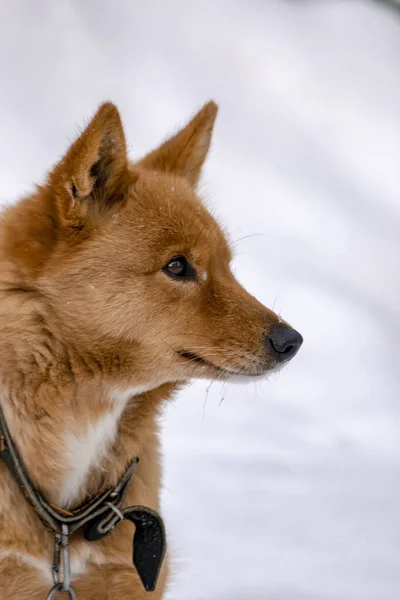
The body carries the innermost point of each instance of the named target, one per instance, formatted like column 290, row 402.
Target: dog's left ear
column 87, row 179
column 185, row 152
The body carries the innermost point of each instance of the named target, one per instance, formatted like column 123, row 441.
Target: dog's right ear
column 87, row 178
column 185, row 153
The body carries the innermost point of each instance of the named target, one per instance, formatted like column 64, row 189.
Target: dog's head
column 138, row 262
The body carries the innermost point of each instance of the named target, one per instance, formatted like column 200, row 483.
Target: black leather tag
column 149, row 544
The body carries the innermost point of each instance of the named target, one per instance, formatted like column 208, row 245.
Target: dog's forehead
column 167, row 206
column 164, row 193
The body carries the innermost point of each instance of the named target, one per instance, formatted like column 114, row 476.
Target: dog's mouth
column 196, row 359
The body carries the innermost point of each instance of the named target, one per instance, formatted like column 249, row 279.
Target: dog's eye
column 179, row 268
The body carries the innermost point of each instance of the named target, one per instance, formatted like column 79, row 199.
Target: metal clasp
column 58, row 589
column 61, row 550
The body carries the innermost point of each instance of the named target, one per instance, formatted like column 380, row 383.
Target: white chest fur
column 85, row 449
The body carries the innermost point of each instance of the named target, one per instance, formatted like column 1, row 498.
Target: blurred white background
column 288, row 490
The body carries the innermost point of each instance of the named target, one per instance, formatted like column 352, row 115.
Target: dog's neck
column 73, row 453
column 75, row 425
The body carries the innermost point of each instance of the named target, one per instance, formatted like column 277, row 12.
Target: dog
column 115, row 291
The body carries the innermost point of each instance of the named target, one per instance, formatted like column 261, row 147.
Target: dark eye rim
column 189, row 274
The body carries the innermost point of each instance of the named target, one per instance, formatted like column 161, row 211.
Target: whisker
column 276, row 298
column 224, row 388
column 207, row 392
column 251, row 235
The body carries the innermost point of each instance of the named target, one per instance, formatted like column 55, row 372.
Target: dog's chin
column 201, row 368
column 244, row 377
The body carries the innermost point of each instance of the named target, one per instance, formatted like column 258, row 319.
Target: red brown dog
column 115, row 289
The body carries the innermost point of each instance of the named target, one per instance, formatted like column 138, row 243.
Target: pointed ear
column 87, row 178
column 185, row 152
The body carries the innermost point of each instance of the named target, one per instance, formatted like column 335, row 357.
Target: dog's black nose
column 284, row 342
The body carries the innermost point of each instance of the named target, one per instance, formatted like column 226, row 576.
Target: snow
column 287, row 490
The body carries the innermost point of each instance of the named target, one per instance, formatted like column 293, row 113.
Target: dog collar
column 99, row 517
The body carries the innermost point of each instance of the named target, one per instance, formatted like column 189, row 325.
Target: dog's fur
column 95, row 336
